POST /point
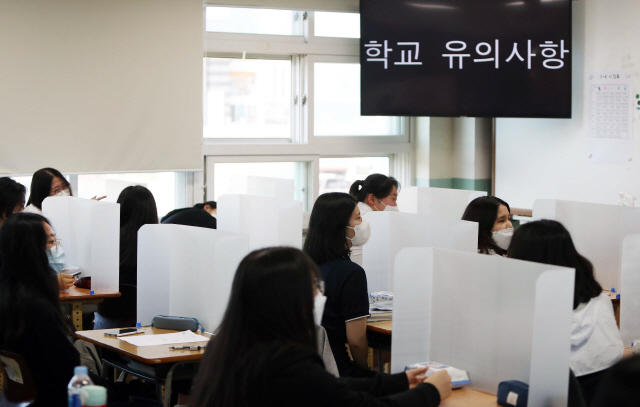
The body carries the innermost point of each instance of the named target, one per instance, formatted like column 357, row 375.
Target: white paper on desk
column 165, row 339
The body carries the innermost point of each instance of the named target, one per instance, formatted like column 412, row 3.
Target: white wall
column 547, row 158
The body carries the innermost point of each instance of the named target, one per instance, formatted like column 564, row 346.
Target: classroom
column 207, row 175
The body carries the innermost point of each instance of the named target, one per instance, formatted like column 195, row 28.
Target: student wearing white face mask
column 494, row 224
column 334, row 227
column 46, row 182
column 376, row 193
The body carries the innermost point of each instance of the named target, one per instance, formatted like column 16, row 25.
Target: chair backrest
column 18, row 385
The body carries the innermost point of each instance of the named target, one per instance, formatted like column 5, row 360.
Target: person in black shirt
column 201, row 215
column 31, row 323
column 334, row 227
column 264, row 352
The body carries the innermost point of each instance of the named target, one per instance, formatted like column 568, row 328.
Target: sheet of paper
column 164, row 339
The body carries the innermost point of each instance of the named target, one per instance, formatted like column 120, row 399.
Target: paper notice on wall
column 609, row 95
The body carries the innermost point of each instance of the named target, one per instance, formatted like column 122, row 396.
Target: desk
column 162, row 362
column 75, row 297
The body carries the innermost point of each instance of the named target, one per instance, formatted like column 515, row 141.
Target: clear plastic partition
column 508, row 320
column 597, row 231
column 630, row 297
column 393, row 231
column 267, row 221
column 438, row 202
column 264, row 186
column 89, row 232
column 187, row 271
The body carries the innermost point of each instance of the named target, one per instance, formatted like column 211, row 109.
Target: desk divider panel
column 267, row 221
column 187, row 271
column 498, row 319
column 393, row 231
column 597, row 231
column 438, row 202
column 89, row 232
column 630, row 298
column 263, row 186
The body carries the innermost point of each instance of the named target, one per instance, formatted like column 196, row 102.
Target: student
column 137, row 208
column 201, row 215
column 57, row 258
column 595, row 339
column 619, row 387
column 334, row 227
column 264, row 352
column 376, row 193
column 494, row 226
column 46, row 182
column 12, row 196
column 31, row 323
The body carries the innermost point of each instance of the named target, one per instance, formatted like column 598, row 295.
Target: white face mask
column 57, row 258
column 503, row 238
column 388, row 208
column 318, row 308
column 362, row 233
column 64, row 192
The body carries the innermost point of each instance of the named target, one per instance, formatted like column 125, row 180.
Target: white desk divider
column 89, row 232
column 392, row 231
column 267, row 221
column 630, row 297
column 263, row 186
column 187, row 271
column 498, row 319
column 438, row 202
column 597, row 231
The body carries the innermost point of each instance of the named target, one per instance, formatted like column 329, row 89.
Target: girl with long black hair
column 264, row 352
column 31, row 323
column 595, row 339
column 494, row 225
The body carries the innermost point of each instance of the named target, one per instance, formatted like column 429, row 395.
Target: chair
column 118, row 312
column 18, row 389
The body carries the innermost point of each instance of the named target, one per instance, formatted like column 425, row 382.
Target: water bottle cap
column 138, row 324
column 80, row 370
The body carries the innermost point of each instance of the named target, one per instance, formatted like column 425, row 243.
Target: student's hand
column 65, row 281
column 442, row 381
column 98, row 198
column 416, row 376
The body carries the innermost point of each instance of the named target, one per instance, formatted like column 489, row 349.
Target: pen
column 197, row 347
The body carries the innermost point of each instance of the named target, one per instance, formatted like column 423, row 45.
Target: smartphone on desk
column 124, row 332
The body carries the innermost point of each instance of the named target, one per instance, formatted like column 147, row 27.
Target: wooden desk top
column 466, row 397
column 82, row 294
column 384, row 327
column 146, row 354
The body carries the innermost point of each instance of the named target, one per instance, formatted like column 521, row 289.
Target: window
column 337, row 174
column 253, row 21
column 337, row 104
column 248, row 178
column 247, row 98
column 343, row 25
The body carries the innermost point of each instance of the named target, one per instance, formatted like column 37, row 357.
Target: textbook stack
column 381, row 311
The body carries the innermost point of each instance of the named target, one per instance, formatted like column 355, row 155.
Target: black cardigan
column 298, row 378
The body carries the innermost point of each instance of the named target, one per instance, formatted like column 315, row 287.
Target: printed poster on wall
column 609, row 95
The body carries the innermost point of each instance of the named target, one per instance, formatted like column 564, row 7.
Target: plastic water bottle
column 78, row 381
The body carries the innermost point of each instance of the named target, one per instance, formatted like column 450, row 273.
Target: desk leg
column 76, row 315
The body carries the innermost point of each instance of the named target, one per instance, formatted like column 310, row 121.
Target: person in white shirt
column 377, row 192
column 46, row 182
column 494, row 224
column 596, row 344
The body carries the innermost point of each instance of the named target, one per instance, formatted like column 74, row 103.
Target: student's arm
column 357, row 339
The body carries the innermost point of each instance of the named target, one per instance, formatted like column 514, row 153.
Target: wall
column 548, row 158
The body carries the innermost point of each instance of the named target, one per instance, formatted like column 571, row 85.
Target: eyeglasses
column 320, row 286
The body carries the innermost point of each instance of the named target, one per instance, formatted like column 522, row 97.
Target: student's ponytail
column 357, row 191
column 377, row 184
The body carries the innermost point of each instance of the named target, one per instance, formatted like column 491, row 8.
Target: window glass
column 247, row 98
column 337, row 174
column 248, row 178
column 161, row 184
column 337, row 104
column 344, row 25
column 253, row 21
